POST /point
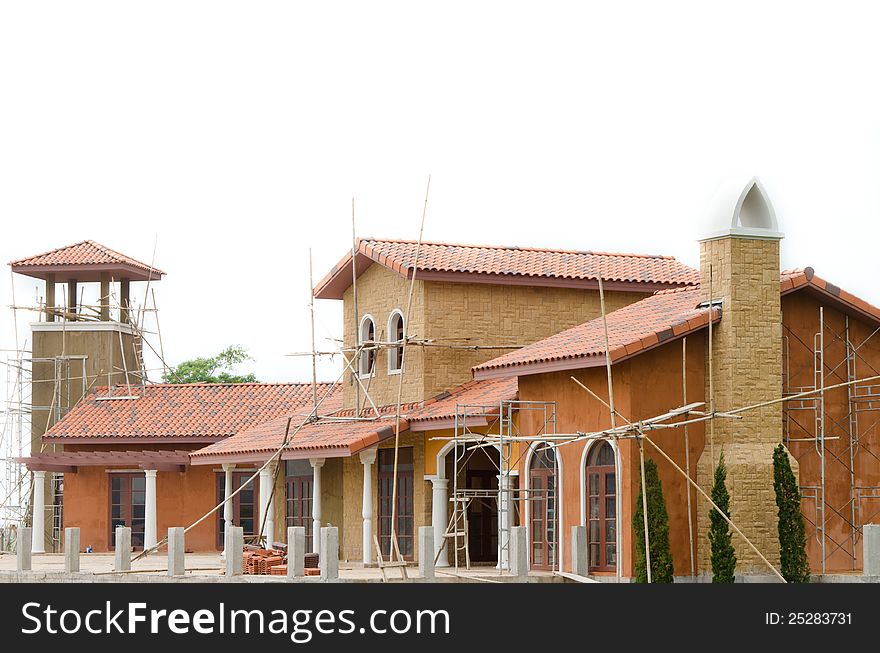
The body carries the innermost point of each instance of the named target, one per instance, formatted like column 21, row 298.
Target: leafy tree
column 792, row 535
column 212, row 370
column 723, row 554
column 658, row 530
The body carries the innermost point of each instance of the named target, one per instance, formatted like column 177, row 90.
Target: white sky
column 234, row 135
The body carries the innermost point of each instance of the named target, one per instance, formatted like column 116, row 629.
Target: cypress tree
column 723, row 554
column 792, row 535
column 658, row 530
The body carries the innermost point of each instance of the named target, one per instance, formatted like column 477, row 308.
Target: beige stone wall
column 351, row 486
column 462, row 314
column 380, row 291
column 485, row 314
column 747, row 362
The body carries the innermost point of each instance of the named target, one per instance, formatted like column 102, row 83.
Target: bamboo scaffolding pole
column 312, row 314
column 354, row 302
column 406, row 326
column 715, row 506
column 687, row 453
column 711, row 371
column 273, row 457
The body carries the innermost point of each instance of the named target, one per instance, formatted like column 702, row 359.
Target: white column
column 317, row 464
column 270, row 499
column 150, row 509
column 227, row 504
column 503, row 521
column 39, row 518
column 266, row 477
column 439, row 516
column 368, row 457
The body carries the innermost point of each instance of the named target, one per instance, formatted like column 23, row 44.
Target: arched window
column 602, row 508
column 395, row 334
column 367, row 337
column 543, row 517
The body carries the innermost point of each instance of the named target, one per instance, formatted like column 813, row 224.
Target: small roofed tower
column 739, row 267
column 75, row 346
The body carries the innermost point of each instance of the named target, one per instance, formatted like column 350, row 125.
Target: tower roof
column 85, row 261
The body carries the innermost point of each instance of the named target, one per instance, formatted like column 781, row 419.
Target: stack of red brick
column 261, row 561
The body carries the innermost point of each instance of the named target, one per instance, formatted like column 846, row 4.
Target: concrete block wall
column 381, row 291
column 495, row 314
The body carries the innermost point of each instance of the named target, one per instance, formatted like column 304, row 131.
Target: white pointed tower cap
column 740, row 208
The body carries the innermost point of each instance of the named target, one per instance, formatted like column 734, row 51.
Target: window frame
column 405, row 498
column 126, row 493
column 368, row 353
column 395, row 354
column 219, row 485
column 602, row 472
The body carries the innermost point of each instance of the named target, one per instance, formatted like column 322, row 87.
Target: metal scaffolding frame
column 500, row 428
column 816, row 426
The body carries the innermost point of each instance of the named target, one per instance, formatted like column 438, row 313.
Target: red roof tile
column 805, row 278
column 482, row 398
column 198, row 411
column 643, row 324
column 498, row 264
column 81, row 256
column 327, row 436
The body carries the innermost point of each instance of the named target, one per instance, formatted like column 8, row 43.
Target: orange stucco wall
column 800, row 312
column 181, row 498
column 645, row 386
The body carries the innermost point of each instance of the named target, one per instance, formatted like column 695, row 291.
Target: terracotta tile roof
column 325, row 437
column 805, row 278
column 84, row 254
column 497, row 264
column 481, row 397
column 632, row 329
column 202, row 412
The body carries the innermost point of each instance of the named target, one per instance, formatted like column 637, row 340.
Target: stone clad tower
column 741, row 257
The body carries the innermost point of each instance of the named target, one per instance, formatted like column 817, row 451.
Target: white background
column 232, row 136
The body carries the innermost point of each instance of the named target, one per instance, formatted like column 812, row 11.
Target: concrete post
column 176, row 555
column 39, row 520
column 439, row 516
column 871, row 549
column 122, row 560
column 234, row 551
column 317, row 463
column 23, row 547
column 71, row 550
column 579, row 561
column 329, row 556
column 296, row 551
column 368, row 457
column 227, row 502
column 426, row 551
column 105, row 296
column 50, row 297
column 519, row 552
column 150, row 508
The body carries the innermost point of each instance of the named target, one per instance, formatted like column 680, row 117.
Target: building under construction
column 487, row 388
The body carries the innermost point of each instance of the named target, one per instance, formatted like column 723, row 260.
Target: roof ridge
column 517, row 248
column 215, row 385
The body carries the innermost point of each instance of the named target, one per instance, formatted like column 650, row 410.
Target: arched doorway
column 601, row 482
column 543, row 504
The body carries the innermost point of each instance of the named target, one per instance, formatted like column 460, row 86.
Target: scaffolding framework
column 501, row 432
column 69, row 378
column 806, row 421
